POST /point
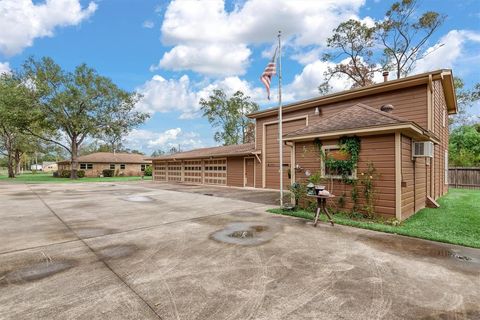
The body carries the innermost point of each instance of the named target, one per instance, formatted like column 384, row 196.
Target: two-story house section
column 402, row 126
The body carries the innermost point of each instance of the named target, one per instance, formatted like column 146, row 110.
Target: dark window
column 142, row 167
column 89, row 165
column 122, row 166
column 336, row 154
column 83, row 166
column 112, row 166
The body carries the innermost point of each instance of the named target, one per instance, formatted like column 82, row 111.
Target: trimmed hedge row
column 67, row 174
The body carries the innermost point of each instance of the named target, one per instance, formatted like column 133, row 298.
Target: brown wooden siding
column 235, row 171
column 272, row 164
column 440, row 111
column 414, row 184
column 380, row 150
column 410, row 103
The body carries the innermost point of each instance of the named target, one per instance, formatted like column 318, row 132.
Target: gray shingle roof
column 232, row 150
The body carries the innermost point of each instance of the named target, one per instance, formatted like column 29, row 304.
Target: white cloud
column 451, row 51
column 167, row 95
column 149, row 141
column 23, row 20
column 208, row 39
column 209, row 59
column 4, row 67
column 162, row 95
column 148, row 24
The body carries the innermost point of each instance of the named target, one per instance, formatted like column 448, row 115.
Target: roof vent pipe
column 385, row 76
column 387, row 108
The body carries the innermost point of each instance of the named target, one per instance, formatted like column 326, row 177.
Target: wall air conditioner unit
column 422, row 149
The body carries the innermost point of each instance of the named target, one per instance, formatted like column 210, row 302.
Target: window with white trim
column 112, row 166
column 84, row 166
column 122, row 166
column 335, row 153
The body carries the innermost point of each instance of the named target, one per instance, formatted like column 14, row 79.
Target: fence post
column 456, row 177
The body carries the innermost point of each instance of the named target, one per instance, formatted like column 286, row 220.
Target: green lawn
column 457, row 220
column 48, row 178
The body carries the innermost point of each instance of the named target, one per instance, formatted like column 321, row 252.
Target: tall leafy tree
column 404, row 33
column 229, row 115
column 353, row 42
column 76, row 105
column 395, row 43
column 15, row 98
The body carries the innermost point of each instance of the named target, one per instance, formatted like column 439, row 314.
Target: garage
column 206, row 166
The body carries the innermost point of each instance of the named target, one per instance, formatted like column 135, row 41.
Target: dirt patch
column 36, row 271
column 246, row 233
column 117, row 251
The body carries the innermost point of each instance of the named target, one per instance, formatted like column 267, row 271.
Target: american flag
column 267, row 74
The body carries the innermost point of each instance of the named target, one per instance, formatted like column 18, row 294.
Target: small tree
column 465, row 100
column 76, row 105
column 464, row 146
column 404, row 33
column 229, row 114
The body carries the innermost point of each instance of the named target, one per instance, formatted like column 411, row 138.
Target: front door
column 249, row 174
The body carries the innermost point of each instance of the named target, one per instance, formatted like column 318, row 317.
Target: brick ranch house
column 391, row 119
column 126, row 164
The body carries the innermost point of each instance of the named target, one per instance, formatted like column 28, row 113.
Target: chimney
column 385, row 76
column 387, row 108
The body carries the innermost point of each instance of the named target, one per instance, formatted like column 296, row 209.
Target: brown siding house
column 387, row 117
column 124, row 164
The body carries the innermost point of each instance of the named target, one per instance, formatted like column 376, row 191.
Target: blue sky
column 174, row 53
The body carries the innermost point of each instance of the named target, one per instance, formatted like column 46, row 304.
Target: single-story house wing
column 123, row 164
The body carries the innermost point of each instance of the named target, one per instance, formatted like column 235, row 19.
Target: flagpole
column 280, row 120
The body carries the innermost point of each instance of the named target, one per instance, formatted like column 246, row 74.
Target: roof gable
column 445, row 75
column 355, row 117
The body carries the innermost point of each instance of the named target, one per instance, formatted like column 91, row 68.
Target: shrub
column 81, row 174
column 55, row 174
column 65, row 174
column 148, row 171
column 108, row 173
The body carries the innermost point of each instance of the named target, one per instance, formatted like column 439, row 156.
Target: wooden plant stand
column 322, row 206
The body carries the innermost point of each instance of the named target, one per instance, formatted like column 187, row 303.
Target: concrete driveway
column 140, row 251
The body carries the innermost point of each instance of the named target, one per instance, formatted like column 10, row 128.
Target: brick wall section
column 131, row 169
